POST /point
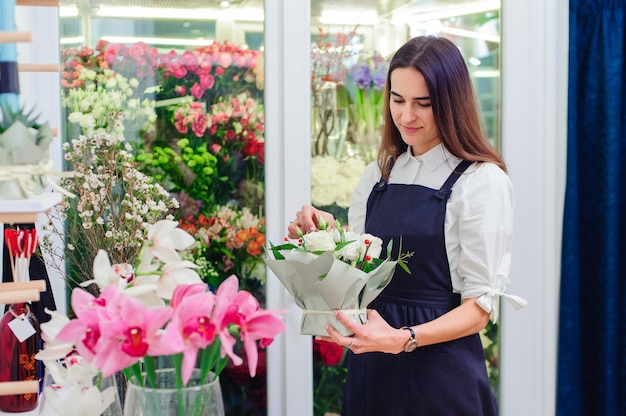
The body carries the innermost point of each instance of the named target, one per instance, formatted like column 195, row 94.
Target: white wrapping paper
column 343, row 287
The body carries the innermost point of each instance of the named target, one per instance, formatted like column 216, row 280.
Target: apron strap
column 446, row 188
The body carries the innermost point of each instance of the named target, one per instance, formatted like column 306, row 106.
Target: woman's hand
column 375, row 335
column 308, row 220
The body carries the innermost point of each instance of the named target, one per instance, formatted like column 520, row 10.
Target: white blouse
column 478, row 222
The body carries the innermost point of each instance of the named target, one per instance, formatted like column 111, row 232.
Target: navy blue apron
column 446, row 379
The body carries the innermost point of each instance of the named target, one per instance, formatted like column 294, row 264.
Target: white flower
column 319, row 241
column 360, row 246
column 174, row 274
column 53, row 349
column 166, row 238
column 79, row 400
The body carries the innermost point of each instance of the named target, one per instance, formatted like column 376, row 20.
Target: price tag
column 22, row 328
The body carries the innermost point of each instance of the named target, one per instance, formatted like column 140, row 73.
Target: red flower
column 330, row 353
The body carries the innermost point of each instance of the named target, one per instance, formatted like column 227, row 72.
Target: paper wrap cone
column 343, row 287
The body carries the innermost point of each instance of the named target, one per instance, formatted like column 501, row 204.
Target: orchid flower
column 133, row 332
column 191, row 323
column 240, row 308
column 166, row 238
column 80, row 400
column 105, row 275
column 54, row 349
column 175, row 274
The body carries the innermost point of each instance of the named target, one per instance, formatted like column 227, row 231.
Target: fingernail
column 336, row 312
column 312, row 229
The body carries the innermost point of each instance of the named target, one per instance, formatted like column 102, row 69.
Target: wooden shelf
column 45, row 3
column 17, row 211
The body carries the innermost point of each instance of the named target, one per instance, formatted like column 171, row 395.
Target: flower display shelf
column 23, row 211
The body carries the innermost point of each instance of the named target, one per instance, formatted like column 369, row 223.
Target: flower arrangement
column 156, row 307
column 369, row 76
column 328, row 73
column 328, row 58
column 108, row 102
column 231, row 240
column 112, row 208
column 333, row 181
column 137, row 61
column 24, row 154
column 217, row 149
column 206, row 146
column 211, row 71
column 333, row 269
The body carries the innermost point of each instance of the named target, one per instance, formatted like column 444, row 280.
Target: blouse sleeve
column 358, row 206
column 484, row 210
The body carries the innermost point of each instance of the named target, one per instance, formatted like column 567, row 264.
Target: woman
column 442, row 189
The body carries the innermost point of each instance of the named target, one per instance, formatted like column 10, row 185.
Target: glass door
column 183, row 82
column 351, row 44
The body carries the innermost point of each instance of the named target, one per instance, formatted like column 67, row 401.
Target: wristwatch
column 411, row 344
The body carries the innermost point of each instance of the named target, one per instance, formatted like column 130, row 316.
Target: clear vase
column 328, row 122
column 194, row 400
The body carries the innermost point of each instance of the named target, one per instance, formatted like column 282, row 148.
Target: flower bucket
column 193, row 400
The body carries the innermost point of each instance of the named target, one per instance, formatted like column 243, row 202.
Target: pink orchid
column 240, row 308
column 84, row 331
column 191, row 323
column 134, row 332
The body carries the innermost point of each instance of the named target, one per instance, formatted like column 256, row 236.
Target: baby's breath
column 115, row 204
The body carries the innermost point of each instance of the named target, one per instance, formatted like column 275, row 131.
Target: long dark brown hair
column 454, row 103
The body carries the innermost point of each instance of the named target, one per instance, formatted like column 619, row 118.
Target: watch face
column 411, row 345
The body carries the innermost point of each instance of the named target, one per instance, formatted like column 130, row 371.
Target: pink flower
column 191, row 324
column 84, row 331
column 197, row 90
column 240, row 308
column 134, row 332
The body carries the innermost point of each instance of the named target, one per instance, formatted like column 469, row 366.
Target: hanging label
column 22, row 328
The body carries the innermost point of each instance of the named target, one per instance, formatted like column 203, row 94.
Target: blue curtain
column 592, row 331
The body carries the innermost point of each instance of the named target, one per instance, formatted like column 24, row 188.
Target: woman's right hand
column 307, row 220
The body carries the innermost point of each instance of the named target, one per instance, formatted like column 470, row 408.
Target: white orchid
column 54, row 349
column 166, row 238
column 79, row 400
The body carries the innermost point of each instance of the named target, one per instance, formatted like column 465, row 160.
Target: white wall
column 534, row 104
column 41, row 90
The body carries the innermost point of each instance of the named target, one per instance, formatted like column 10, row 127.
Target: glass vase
column 19, row 342
column 196, row 399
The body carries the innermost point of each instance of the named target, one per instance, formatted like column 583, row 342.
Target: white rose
column 323, row 195
column 324, row 170
column 319, row 241
column 350, row 251
column 375, row 246
column 344, row 188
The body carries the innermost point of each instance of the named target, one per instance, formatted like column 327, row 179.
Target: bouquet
column 331, row 270
column 157, row 307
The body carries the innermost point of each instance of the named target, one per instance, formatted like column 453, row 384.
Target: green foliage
column 9, row 116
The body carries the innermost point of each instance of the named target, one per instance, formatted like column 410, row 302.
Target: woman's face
column 411, row 110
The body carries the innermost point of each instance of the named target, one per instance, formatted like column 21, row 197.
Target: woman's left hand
column 375, row 335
